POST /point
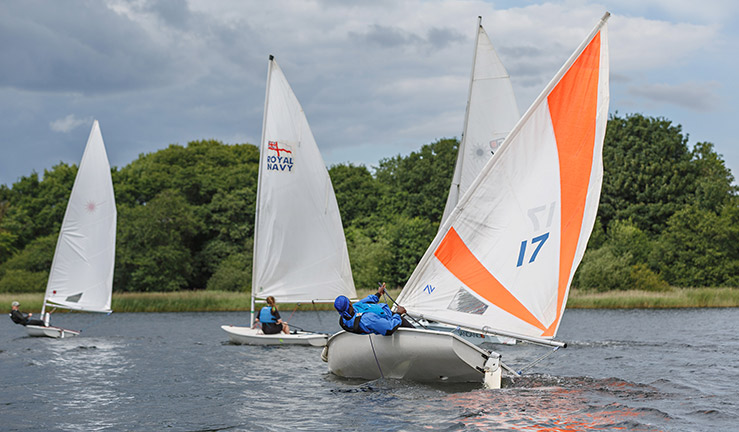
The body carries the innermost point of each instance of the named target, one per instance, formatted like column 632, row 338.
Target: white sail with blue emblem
column 490, row 115
column 300, row 252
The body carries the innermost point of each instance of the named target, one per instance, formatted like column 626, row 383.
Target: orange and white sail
column 491, row 114
column 505, row 257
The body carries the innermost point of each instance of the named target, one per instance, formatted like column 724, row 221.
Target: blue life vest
column 375, row 308
column 265, row 315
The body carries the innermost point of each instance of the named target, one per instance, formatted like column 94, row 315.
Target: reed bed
column 212, row 301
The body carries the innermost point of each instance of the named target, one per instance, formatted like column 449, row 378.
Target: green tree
column 648, row 172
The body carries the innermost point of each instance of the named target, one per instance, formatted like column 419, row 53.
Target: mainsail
column 81, row 276
column 505, row 257
column 490, row 115
column 300, row 252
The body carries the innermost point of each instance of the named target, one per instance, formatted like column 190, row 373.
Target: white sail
column 81, row 275
column 300, row 252
column 491, row 114
column 505, row 257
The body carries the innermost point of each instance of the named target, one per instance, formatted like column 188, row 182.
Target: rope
column 291, row 315
column 375, row 354
column 396, row 303
column 520, row 372
column 317, row 314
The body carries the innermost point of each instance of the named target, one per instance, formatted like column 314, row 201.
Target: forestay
column 300, row 253
column 491, row 114
column 505, row 257
column 81, row 276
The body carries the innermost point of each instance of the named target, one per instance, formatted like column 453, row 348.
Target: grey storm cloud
column 700, row 97
column 392, row 37
column 77, row 47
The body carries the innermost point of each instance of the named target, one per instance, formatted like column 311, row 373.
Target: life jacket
column 265, row 315
column 375, row 308
column 355, row 327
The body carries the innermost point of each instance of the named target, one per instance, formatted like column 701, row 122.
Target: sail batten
column 300, row 252
column 516, row 237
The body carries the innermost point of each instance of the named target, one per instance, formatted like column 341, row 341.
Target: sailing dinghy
column 300, row 253
column 81, row 276
column 503, row 260
column 490, row 115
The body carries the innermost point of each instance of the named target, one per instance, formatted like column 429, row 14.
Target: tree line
column 668, row 215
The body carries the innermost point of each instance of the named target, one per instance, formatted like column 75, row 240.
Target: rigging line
column 317, row 314
column 520, row 372
column 396, row 303
column 375, row 354
column 291, row 315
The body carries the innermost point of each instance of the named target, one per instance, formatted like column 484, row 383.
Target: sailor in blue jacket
column 368, row 316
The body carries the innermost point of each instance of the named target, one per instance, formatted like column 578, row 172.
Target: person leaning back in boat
column 19, row 317
column 270, row 319
column 368, row 316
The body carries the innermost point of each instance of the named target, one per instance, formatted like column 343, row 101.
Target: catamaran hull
column 50, row 331
column 250, row 336
column 412, row 354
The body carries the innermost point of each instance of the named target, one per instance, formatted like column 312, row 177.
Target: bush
column 601, row 270
column 233, row 274
column 20, row 281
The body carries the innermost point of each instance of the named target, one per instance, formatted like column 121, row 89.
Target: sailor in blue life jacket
column 368, row 316
column 270, row 319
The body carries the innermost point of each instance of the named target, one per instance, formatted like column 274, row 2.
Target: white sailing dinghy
column 81, row 276
column 300, row 253
column 490, row 115
column 504, row 259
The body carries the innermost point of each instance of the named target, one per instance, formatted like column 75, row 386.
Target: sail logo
column 495, row 144
column 429, row 289
column 279, row 162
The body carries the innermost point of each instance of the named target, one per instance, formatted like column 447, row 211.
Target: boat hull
column 412, row 354
column 250, row 336
column 50, row 331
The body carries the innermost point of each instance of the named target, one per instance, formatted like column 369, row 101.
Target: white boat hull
column 412, row 354
column 250, row 336
column 50, row 331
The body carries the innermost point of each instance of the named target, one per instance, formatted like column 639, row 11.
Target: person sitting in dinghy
column 19, row 317
column 270, row 319
column 369, row 316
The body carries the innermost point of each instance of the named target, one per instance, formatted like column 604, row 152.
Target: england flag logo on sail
column 282, row 159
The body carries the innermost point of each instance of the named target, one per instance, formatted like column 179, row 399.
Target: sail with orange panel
column 504, row 259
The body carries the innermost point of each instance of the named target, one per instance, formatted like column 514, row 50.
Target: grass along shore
column 212, row 301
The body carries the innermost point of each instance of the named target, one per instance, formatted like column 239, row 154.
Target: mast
column 453, row 198
column 259, row 188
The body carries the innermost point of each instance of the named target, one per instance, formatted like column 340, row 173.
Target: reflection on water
column 84, row 373
column 543, row 403
column 623, row 370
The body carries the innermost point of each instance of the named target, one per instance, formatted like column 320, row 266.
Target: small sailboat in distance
column 300, row 253
column 503, row 260
column 81, row 276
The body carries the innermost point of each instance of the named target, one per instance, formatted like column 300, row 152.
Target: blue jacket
column 266, row 315
column 377, row 318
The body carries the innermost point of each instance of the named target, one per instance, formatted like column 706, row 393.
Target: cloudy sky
column 375, row 78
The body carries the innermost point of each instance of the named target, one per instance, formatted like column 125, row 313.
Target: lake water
column 646, row 370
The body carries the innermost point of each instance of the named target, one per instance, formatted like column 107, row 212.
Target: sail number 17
column 539, row 241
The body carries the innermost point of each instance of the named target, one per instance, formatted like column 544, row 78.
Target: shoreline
column 225, row 301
